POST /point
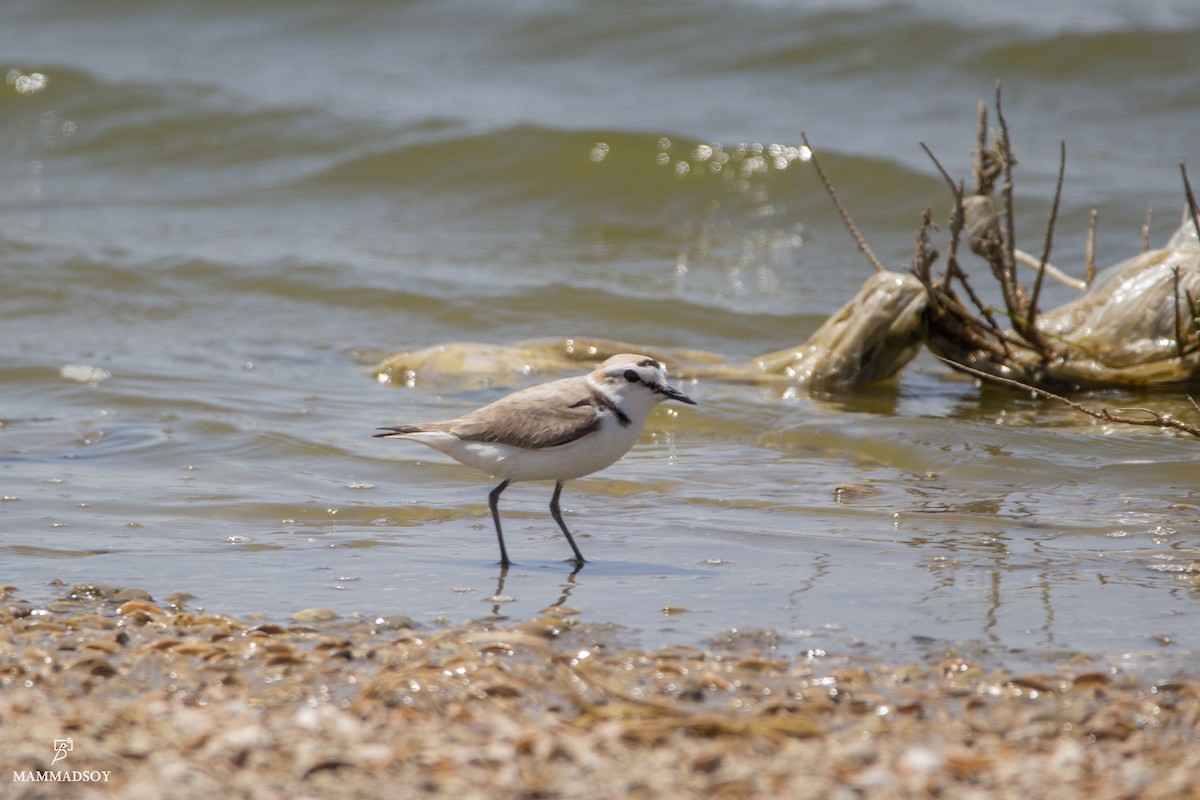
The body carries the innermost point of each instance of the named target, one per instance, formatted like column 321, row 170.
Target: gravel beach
column 145, row 699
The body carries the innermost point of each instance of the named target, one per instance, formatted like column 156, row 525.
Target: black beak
column 671, row 393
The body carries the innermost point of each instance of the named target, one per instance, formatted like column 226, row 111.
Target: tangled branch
column 1153, row 418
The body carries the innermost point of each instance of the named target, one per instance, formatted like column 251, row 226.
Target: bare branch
column 1089, row 254
column 1179, row 333
column 1032, row 312
column 980, row 182
column 957, row 222
column 859, row 239
column 1191, row 198
column 1026, row 260
column 1031, row 317
column 1008, row 277
column 1191, row 312
column 1146, row 229
column 1155, row 419
column 954, row 187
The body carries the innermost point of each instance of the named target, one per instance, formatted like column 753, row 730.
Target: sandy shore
column 159, row 701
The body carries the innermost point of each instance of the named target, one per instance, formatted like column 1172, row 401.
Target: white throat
column 603, row 389
column 634, row 401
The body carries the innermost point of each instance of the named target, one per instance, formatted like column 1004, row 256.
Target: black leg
column 557, row 514
column 493, row 498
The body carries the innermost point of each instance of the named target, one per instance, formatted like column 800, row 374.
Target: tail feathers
column 400, row 431
column 397, row 431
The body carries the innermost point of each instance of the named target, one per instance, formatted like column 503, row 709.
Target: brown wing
column 548, row 415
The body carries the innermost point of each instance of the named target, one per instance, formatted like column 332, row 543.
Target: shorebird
column 555, row 431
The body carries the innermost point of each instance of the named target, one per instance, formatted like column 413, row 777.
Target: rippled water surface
column 215, row 217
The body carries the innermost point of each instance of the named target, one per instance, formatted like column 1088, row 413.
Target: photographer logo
column 61, row 748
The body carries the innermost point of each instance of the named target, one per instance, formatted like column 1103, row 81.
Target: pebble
column 314, row 615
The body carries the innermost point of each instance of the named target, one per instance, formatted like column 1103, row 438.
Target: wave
column 185, row 141
column 607, row 174
column 162, row 138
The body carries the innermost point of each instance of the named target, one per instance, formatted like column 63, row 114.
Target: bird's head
column 637, row 379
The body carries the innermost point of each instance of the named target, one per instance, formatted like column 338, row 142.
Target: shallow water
column 212, row 222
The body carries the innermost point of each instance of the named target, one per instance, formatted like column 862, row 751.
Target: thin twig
column 957, row 223
column 1179, row 334
column 956, row 215
column 1191, row 198
column 1008, row 276
column 923, row 256
column 841, row 209
column 1146, row 228
column 1191, row 311
column 1089, row 253
column 981, row 184
column 1037, row 283
column 1157, row 419
column 1024, row 259
column 954, row 187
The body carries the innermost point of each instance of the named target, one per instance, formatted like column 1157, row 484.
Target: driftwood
column 873, row 336
column 1137, row 323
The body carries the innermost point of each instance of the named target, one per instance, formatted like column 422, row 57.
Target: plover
column 554, row 431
